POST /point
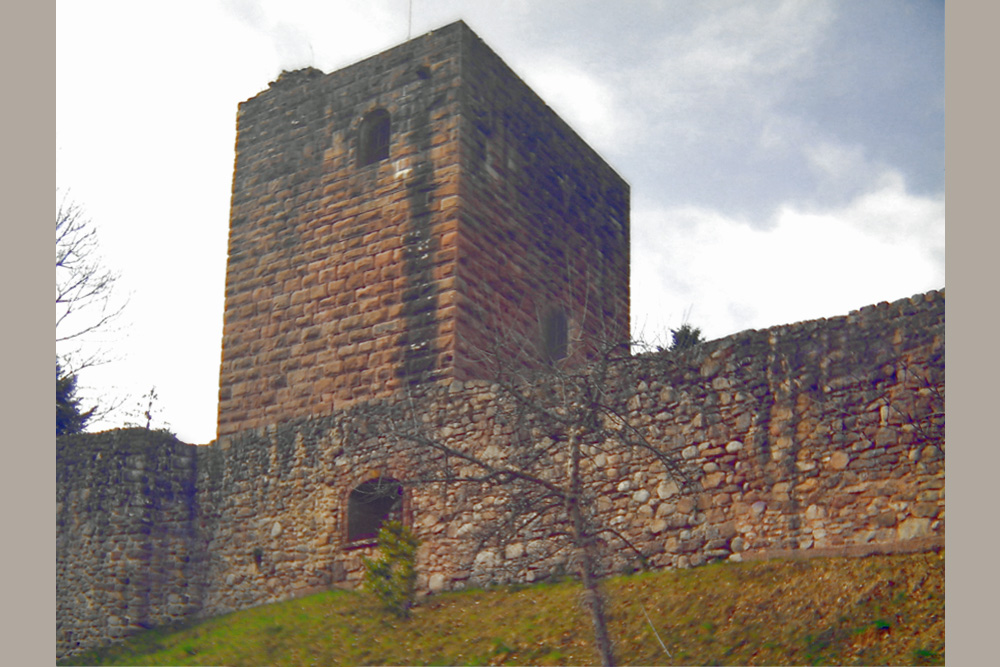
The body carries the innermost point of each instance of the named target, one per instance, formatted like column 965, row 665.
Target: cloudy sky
column 786, row 159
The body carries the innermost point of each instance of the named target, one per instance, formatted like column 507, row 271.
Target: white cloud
column 894, row 216
column 740, row 48
column 249, row 11
column 582, row 99
column 886, row 244
column 712, row 83
column 835, row 161
column 326, row 35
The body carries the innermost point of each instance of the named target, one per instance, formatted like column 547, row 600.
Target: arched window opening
column 373, row 137
column 371, row 504
column 555, row 335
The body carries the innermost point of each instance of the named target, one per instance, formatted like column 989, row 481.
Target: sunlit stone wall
column 821, row 437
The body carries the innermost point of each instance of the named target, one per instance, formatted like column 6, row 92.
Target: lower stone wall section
column 130, row 542
column 822, row 437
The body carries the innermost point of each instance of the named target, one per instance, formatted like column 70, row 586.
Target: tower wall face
column 346, row 281
column 340, row 276
column 544, row 225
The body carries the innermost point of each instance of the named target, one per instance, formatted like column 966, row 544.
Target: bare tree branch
column 84, row 288
column 86, row 303
column 554, row 415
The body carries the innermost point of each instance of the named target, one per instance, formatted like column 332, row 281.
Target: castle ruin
column 390, row 222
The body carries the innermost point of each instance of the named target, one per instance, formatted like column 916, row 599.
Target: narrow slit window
column 373, row 137
column 555, row 335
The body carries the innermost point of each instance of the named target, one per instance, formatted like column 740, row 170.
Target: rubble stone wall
column 130, row 535
column 818, row 437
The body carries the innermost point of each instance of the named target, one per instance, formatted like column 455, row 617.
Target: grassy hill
column 870, row 611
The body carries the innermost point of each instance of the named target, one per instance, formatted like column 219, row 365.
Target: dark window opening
column 373, row 137
column 371, row 504
column 555, row 335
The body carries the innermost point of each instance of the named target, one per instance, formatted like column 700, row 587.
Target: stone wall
column 819, row 437
column 130, row 535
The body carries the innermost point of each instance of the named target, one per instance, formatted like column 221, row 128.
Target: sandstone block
column 913, row 528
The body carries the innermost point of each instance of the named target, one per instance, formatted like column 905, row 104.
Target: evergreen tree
column 686, row 336
column 393, row 577
column 69, row 418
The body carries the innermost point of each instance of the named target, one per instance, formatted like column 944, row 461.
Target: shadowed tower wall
column 391, row 220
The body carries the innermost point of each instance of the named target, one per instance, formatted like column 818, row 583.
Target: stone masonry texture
column 820, row 437
column 347, row 281
column 373, row 272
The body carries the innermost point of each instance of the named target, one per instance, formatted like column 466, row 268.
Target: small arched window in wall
column 373, row 137
column 554, row 335
column 371, row 504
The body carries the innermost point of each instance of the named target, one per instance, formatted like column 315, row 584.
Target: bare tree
column 84, row 287
column 555, row 415
column 85, row 294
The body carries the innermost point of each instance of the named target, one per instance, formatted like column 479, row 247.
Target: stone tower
column 394, row 219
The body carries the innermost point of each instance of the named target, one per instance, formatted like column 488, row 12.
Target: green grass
column 880, row 610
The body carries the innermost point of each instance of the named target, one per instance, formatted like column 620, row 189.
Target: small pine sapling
column 685, row 337
column 392, row 577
